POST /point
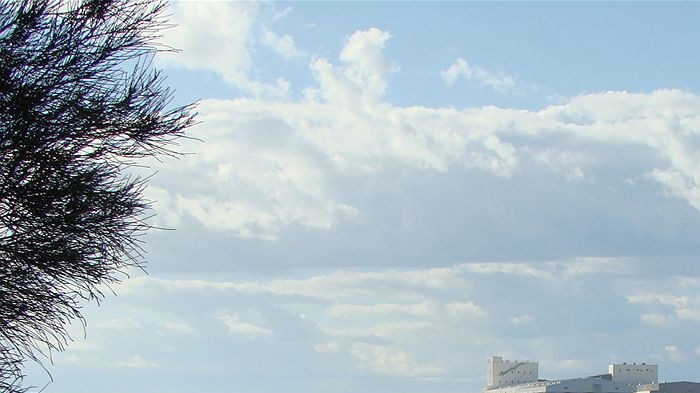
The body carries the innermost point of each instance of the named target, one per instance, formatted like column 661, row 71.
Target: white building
column 634, row 374
column 596, row 384
column 500, row 373
column 670, row 387
column 512, row 376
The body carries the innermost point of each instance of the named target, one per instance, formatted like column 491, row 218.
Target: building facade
column 512, row 376
column 634, row 374
column 500, row 373
column 670, row 387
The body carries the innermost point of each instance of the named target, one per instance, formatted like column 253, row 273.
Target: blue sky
column 385, row 194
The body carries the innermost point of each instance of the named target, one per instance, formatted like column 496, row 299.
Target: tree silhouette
column 80, row 104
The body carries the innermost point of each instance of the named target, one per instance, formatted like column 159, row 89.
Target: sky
column 379, row 196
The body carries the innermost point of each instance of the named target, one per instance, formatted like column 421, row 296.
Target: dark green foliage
column 79, row 105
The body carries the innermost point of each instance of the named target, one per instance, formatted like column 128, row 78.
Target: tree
column 80, row 105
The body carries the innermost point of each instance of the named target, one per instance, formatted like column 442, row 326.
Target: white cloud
column 389, row 330
column 569, row 164
column 609, row 266
column 692, row 314
column 387, row 360
column 400, row 286
column 276, row 183
column 687, row 282
column 555, row 270
column 136, row 361
column 678, row 296
column 278, row 15
column 277, row 164
column 327, row 347
column 679, row 185
column 675, row 301
column 417, row 323
column 362, row 80
column 521, row 319
column 238, row 216
column 675, row 354
column 167, row 216
column 360, row 310
column 283, row 45
column 236, row 326
column 654, row 319
column 272, row 186
column 212, row 36
column 458, row 309
column 520, row 269
column 367, row 65
column 497, row 81
column 217, row 36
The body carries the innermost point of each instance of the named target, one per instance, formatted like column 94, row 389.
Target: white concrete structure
column 597, row 384
column 670, row 387
column 508, row 376
column 500, row 372
column 634, row 374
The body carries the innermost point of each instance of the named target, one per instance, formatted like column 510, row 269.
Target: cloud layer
column 436, row 325
column 277, row 163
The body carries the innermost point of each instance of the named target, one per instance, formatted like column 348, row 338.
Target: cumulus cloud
column 267, row 184
column 692, row 314
column 680, row 185
column 283, row 45
column 520, row 319
column 395, row 330
column 278, row 164
column 567, row 163
column 675, row 354
column 260, row 189
column 212, row 36
column 236, row 326
column 459, row 309
column 359, row 310
column 218, row 36
column 327, row 347
column 556, row 270
column 279, row 14
column 168, row 216
column 499, row 82
column 654, row 319
column 677, row 302
column 425, row 323
column 678, row 299
column 404, row 286
column 393, row 361
column 366, row 64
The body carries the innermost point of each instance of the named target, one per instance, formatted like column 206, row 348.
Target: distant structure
column 634, row 374
column 501, row 373
column 513, row 376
